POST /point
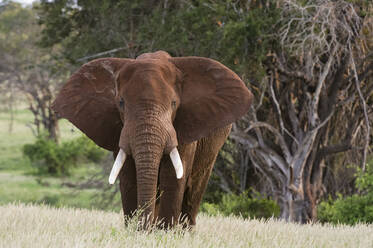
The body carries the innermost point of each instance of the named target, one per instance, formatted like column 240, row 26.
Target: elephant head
column 146, row 107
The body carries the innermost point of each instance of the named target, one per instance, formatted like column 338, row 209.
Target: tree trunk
column 294, row 177
column 292, row 207
column 52, row 126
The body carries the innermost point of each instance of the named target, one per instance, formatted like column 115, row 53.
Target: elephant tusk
column 118, row 164
column 176, row 162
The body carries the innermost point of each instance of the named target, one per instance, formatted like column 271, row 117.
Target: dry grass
column 42, row 226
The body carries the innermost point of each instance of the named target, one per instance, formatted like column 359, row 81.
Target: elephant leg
column 128, row 187
column 172, row 189
column 204, row 160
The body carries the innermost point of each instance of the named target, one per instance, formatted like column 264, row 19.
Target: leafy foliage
column 364, row 180
column 57, row 159
column 352, row 209
column 231, row 31
column 255, row 206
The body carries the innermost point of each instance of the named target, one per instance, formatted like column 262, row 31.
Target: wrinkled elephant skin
column 151, row 108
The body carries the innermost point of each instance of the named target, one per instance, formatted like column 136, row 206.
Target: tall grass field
column 42, row 226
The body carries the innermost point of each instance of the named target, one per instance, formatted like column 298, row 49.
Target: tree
column 89, row 27
column 26, row 68
column 315, row 101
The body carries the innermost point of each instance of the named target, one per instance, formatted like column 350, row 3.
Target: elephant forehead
column 149, row 85
column 153, row 66
column 147, row 75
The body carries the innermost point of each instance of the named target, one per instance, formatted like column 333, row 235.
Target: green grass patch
column 11, row 143
column 18, row 187
column 20, row 182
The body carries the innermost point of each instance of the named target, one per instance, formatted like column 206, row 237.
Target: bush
column 57, row 159
column 89, row 150
column 243, row 205
column 352, row 209
column 349, row 210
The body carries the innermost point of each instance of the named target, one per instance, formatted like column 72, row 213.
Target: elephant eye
column 121, row 103
column 173, row 104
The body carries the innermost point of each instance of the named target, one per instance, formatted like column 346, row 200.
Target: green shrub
column 210, row 208
column 57, row 159
column 364, row 179
column 89, row 149
column 352, row 209
column 349, row 210
column 243, row 205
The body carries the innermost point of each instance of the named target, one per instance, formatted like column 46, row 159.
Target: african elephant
column 165, row 118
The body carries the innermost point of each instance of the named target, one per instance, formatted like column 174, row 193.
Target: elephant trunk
column 147, row 151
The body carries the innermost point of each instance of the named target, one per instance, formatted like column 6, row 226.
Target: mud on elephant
column 165, row 118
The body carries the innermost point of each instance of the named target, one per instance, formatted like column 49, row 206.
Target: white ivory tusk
column 118, row 164
column 176, row 162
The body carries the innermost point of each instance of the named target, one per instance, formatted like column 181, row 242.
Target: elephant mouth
column 121, row 158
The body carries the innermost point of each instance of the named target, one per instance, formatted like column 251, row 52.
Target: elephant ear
column 88, row 101
column 212, row 97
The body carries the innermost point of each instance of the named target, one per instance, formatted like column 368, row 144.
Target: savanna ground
column 26, row 223
column 42, row 226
